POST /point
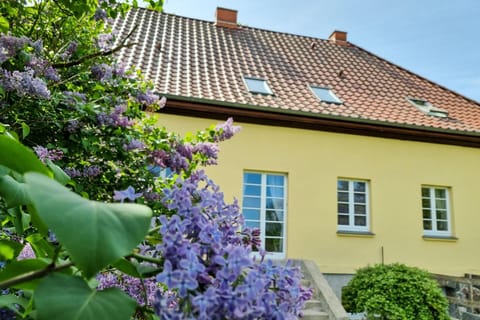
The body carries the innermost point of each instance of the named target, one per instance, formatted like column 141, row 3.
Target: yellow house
column 343, row 158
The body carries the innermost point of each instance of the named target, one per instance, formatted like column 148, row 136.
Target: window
column 325, row 95
column 255, row 85
column 428, row 108
column 352, row 205
column 264, row 207
column 436, row 211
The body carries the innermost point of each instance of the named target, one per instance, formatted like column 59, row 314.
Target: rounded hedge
column 395, row 292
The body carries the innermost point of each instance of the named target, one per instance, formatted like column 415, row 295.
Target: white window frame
column 266, row 88
column 333, row 97
column 263, row 210
column 433, row 217
column 351, row 227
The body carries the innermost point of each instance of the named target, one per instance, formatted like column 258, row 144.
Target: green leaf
column 58, row 173
column 127, row 267
column 25, row 130
column 11, row 301
column 62, row 297
column 13, row 192
column 9, row 249
column 95, row 234
column 22, row 267
column 4, row 26
column 42, row 247
column 18, row 157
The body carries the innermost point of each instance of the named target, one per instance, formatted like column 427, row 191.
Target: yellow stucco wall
column 396, row 171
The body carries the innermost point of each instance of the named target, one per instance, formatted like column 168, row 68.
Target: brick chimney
column 339, row 37
column 226, row 18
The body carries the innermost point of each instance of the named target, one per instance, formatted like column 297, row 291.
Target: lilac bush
column 75, row 106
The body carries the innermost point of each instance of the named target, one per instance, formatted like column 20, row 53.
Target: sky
column 436, row 39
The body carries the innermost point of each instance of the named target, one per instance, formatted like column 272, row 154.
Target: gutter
column 206, row 108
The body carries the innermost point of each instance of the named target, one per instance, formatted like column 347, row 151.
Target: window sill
column 355, row 233
column 440, row 238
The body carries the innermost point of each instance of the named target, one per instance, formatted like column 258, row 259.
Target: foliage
column 395, row 291
column 63, row 244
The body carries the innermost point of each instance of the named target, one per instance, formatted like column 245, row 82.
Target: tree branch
column 146, row 258
column 33, row 275
column 99, row 53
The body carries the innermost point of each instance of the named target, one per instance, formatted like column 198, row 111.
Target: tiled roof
column 191, row 58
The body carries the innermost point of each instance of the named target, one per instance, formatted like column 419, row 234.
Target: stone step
column 313, row 304
column 310, row 314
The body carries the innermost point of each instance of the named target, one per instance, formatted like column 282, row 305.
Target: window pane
column 441, row 204
column 251, row 214
column 342, row 185
column 257, row 86
column 441, row 215
column 251, row 202
column 275, row 180
column 426, row 203
column 274, row 229
column 274, row 203
column 249, row 177
column 252, row 224
column 426, row 214
column 442, row 226
column 343, row 220
column 251, row 190
column 325, row 94
column 425, row 192
column 360, row 220
column 342, row 196
column 342, row 208
column 360, row 209
column 273, row 245
column 276, row 192
column 440, row 193
column 427, row 225
column 359, row 186
column 274, row 215
column 360, row 198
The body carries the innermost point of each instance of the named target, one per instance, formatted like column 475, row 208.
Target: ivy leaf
column 63, row 297
column 95, row 234
column 4, row 26
column 18, row 157
column 13, row 192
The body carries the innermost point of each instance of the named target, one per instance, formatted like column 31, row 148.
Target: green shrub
column 395, row 292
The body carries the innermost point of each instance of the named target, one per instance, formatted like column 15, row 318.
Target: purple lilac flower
column 119, row 69
column 130, row 285
column 151, row 196
column 207, row 261
column 26, row 253
column 134, row 144
column 38, row 46
column 226, row 130
column 91, row 172
column 69, row 51
column 128, row 193
column 24, row 83
column 72, row 98
column 104, row 41
column 51, row 154
column 72, row 172
column 162, row 102
column 209, row 150
column 102, row 72
column 147, row 98
column 115, row 118
column 10, row 45
column 51, row 74
column 72, row 126
column 100, row 14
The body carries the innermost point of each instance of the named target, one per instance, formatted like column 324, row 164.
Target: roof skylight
column 256, row 85
column 325, row 95
column 428, row 108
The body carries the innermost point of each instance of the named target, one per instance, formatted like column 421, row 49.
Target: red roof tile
column 192, row 58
